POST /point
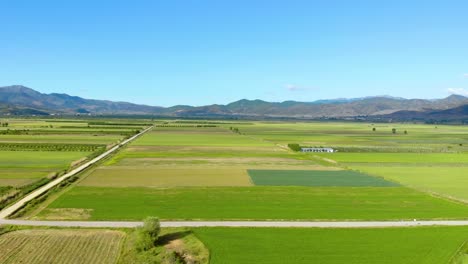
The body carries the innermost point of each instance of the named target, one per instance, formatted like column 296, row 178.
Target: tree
column 406, row 132
column 374, row 129
column 294, row 147
column 152, row 226
column 394, row 130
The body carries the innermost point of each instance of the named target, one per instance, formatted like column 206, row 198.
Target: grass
column 39, row 159
column 400, row 158
column 259, row 202
column 77, row 138
column 448, row 181
column 423, row 245
column 167, row 177
column 195, row 137
column 316, row 178
column 60, row 246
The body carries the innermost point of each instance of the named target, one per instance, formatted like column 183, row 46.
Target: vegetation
column 294, row 147
column 60, row 246
column 316, row 178
column 259, row 202
column 429, row 245
column 149, row 244
column 165, row 176
column 49, row 147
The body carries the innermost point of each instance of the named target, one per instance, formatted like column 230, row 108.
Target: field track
column 13, row 208
column 350, row 224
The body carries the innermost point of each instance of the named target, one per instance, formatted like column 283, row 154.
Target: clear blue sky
column 201, row 52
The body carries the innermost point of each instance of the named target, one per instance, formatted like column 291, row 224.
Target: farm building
column 329, row 150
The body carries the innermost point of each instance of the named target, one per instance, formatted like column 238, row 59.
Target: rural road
column 13, row 208
column 351, row 224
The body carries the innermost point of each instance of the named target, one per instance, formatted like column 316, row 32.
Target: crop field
column 448, row 181
column 60, row 246
column 419, row 138
column 23, row 167
column 192, row 172
column 258, row 203
column 316, row 178
column 428, row 245
column 167, row 177
column 33, row 152
column 196, row 137
column 61, row 138
column 421, row 159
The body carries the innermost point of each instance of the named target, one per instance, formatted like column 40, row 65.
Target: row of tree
column 394, row 130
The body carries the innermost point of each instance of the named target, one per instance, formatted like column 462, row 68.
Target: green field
column 62, row 138
column 167, row 176
column 18, row 168
column 316, row 178
column 428, row 245
column 260, row 202
column 429, row 159
column 39, row 159
column 447, row 181
column 196, row 137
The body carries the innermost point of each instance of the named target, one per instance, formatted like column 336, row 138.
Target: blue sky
column 202, row 52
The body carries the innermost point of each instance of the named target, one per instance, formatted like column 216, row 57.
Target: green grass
column 403, row 158
column 448, row 181
column 39, row 159
column 196, row 137
column 155, row 176
column 424, row 245
column 71, row 139
column 4, row 189
column 259, row 202
column 316, row 178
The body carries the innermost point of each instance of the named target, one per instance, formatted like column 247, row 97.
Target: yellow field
column 60, row 246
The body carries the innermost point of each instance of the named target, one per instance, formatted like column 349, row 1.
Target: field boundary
column 38, row 192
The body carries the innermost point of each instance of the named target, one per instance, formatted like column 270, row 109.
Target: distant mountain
column 368, row 106
column 456, row 114
column 20, row 96
column 18, row 99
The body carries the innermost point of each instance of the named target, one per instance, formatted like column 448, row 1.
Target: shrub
column 294, row 147
column 152, row 226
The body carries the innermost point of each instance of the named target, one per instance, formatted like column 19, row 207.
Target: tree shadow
column 165, row 239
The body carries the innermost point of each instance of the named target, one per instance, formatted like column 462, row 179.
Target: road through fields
column 349, row 224
column 13, row 208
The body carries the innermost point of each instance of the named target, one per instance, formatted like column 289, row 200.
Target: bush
column 294, row 147
column 152, row 226
column 143, row 241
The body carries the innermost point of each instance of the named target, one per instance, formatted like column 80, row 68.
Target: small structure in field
column 321, row 150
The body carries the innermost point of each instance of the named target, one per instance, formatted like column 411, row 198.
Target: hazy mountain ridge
column 17, row 99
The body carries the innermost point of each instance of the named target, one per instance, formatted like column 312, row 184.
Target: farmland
column 258, row 202
column 315, row 178
column 282, row 245
column 33, row 152
column 191, row 172
column 245, row 171
column 60, row 246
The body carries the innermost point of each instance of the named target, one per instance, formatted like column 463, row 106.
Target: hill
column 20, row 96
column 20, row 100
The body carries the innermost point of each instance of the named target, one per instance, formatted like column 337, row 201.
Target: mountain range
column 20, row 100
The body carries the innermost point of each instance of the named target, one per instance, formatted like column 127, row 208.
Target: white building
column 328, row 150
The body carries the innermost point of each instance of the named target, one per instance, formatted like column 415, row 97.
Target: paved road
column 350, row 224
column 13, row 208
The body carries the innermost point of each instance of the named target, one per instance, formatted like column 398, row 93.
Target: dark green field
column 316, row 178
column 258, row 202
column 427, row 245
